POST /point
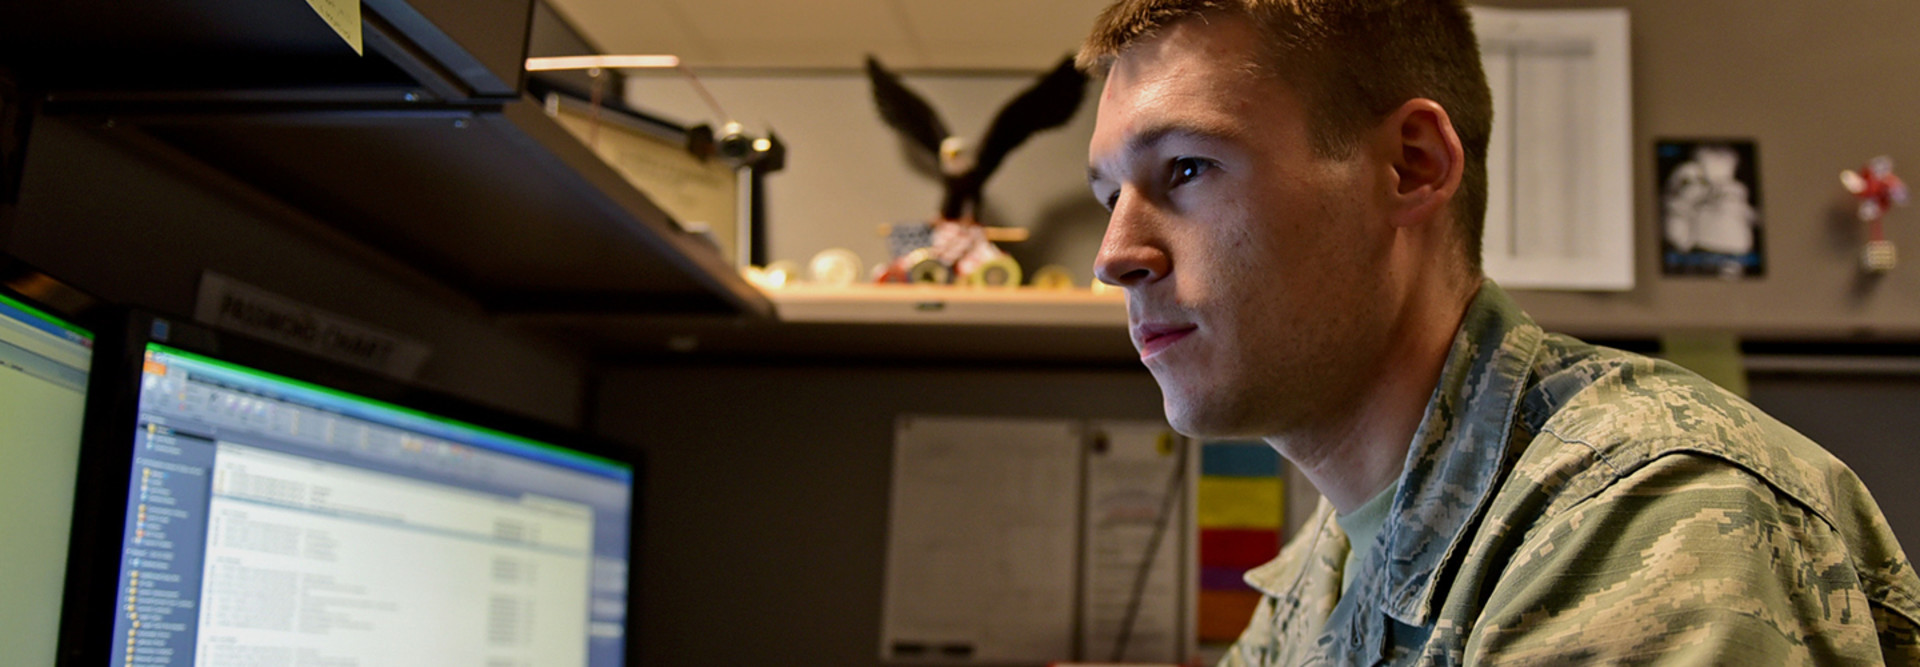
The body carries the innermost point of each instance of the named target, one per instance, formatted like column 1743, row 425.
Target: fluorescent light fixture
column 602, row 62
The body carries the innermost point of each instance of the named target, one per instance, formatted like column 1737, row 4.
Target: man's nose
column 1132, row 254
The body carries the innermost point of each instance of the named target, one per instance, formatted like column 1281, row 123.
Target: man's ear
column 1426, row 160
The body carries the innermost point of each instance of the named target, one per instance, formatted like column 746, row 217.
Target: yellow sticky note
column 344, row 16
column 1240, row 502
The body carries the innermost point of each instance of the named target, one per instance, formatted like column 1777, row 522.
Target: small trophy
column 1878, row 190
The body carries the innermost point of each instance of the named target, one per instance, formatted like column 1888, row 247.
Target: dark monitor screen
column 271, row 521
column 44, row 361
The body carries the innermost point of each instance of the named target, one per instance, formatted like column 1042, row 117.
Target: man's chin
column 1195, row 421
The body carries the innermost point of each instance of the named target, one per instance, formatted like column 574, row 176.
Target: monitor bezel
column 106, row 464
column 24, row 282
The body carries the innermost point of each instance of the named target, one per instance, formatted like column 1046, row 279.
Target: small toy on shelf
column 782, row 273
column 1878, row 190
column 945, row 252
column 1053, row 277
column 834, row 267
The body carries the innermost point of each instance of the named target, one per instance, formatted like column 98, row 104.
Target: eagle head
column 956, row 156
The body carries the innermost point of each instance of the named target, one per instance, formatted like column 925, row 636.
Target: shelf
column 926, row 306
column 502, row 204
column 873, row 324
column 425, row 149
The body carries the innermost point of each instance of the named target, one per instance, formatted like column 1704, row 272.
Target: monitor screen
column 44, row 362
column 274, row 522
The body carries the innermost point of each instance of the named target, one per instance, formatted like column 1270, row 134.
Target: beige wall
column 847, row 172
column 1820, row 87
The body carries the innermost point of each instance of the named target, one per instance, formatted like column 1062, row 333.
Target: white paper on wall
column 1039, row 541
column 1559, row 166
column 1137, row 566
column 981, row 546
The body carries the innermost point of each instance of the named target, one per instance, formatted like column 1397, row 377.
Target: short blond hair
column 1356, row 61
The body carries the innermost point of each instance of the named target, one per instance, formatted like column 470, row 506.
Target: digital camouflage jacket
column 1569, row 504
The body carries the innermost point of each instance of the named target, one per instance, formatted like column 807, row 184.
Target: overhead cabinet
column 427, row 148
column 268, row 50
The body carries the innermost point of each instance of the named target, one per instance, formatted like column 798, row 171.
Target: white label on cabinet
column 236, row 306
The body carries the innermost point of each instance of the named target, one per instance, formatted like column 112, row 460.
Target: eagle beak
column 954, row 156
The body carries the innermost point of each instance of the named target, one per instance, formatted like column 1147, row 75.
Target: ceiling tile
column 975, row 31
column 636, row 26
column 830, row 54
column 796, row 21
column 994, row 55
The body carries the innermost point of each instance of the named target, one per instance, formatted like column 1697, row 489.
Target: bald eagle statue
column 1050, row 103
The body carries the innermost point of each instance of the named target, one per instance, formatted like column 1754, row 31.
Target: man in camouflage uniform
column 1297, row 189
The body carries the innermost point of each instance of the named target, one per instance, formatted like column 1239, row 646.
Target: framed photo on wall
column 1709, row 208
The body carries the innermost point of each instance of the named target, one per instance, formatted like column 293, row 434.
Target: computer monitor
column 45, row 356
column 270, row 520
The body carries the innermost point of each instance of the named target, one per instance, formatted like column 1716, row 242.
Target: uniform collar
column 1454, row 462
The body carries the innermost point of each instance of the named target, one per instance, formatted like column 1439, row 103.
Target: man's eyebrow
column 1150, row 138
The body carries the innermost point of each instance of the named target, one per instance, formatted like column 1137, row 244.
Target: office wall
column 1820, row 87
column 138, row 228
column 765, row 505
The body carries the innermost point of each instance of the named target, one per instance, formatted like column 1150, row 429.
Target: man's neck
column 1352, row 458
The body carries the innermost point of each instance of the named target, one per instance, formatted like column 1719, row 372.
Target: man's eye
column 1111, row 200
column 1188, row 168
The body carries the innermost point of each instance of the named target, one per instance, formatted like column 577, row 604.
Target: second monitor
column 271, row 521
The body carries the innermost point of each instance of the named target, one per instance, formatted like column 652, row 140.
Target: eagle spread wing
column 1050, row 103
column 905, row 110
